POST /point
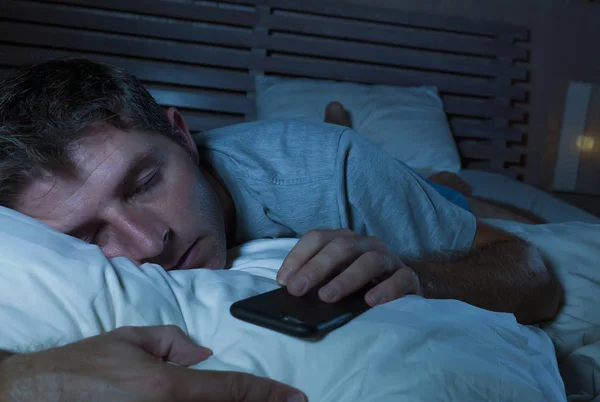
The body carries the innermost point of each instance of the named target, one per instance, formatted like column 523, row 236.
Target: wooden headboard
column 202, row 56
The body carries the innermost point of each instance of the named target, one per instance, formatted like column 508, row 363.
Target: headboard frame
column 202, row 56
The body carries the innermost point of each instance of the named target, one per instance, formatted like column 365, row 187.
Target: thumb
column 167, row 342
column 227, row 386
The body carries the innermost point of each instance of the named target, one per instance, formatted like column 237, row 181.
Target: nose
column 142, row 236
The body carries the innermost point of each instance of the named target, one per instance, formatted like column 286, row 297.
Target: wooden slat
column 172, row 51
column 392, row 36
column 149, row 71
column 484, row 150
column 317, row 68
column 477, row 129
column 171, row 9
column 198, row 121
column 117, row 23
column 197, row 100
column 403, row 17
column 387, row 55
column 454, row 105
column 25, row 33
column 502, row 79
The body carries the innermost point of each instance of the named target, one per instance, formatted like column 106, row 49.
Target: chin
column 216, row 265
column 216, row 262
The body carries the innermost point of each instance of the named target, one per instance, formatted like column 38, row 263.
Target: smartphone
column 301, row 316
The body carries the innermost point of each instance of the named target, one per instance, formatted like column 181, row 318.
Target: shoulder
column 274, row 150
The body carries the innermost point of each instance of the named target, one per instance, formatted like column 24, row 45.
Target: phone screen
column 301, row 316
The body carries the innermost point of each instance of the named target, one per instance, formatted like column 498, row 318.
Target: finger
column 167, row 342
column 367, row 267
column 222, row 386
column 404, row 281
column 331, row 259
column 306, row 248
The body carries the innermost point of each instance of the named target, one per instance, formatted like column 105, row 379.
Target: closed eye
column 148, row 183
column 91, row 238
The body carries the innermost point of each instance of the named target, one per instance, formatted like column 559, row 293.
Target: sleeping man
column 87, row 150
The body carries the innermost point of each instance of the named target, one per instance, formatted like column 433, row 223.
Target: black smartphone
column 301, row 316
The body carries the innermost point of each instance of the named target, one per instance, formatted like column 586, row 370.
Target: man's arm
column 130, row 365
column 394, row 220
column 501, row 273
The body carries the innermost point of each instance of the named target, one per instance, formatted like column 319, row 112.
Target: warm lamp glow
column 585, row 142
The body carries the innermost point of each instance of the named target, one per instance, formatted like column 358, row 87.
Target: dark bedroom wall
column 564, row 46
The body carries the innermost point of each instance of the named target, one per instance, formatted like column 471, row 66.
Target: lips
column 188, row 258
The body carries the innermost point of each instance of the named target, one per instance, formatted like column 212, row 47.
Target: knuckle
column 344, row 244
column 372, row 258
column 317, row 236
column 383, row 259
column 347, row 281
column 174, row 330
column 389, row 261
column 347, row 232
column 316, row 271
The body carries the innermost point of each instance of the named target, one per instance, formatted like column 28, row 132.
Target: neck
column 226, row 202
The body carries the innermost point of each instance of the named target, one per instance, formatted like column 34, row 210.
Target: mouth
column 188, row 258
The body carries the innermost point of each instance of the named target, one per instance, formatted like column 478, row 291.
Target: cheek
column 191, row 199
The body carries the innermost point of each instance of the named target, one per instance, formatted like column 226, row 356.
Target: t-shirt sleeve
column 378, row 196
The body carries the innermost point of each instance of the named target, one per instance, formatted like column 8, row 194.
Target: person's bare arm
column 501, row 273
column 130, row 365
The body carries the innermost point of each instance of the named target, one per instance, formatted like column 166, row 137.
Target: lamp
column 577, row 161
column 585, row 142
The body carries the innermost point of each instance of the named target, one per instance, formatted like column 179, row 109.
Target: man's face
column 136, row 195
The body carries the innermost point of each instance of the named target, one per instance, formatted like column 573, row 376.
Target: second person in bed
column 450, row 185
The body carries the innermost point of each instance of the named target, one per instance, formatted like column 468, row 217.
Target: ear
column 182, row 132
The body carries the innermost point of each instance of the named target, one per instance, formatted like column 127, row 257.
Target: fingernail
column 282, row 276
column 329, row 293
column 298, row 285
column 373, row 298
column 296, row 398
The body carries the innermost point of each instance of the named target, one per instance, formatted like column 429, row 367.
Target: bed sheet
column 412, row 349
column 501, row 188
column 62, row 289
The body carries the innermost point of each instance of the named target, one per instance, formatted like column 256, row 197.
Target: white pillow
column 55, row 289
column 408, row 122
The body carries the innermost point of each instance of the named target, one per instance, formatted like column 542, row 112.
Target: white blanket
column 61, row 290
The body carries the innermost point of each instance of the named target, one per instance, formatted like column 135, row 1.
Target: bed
column 205, row 58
